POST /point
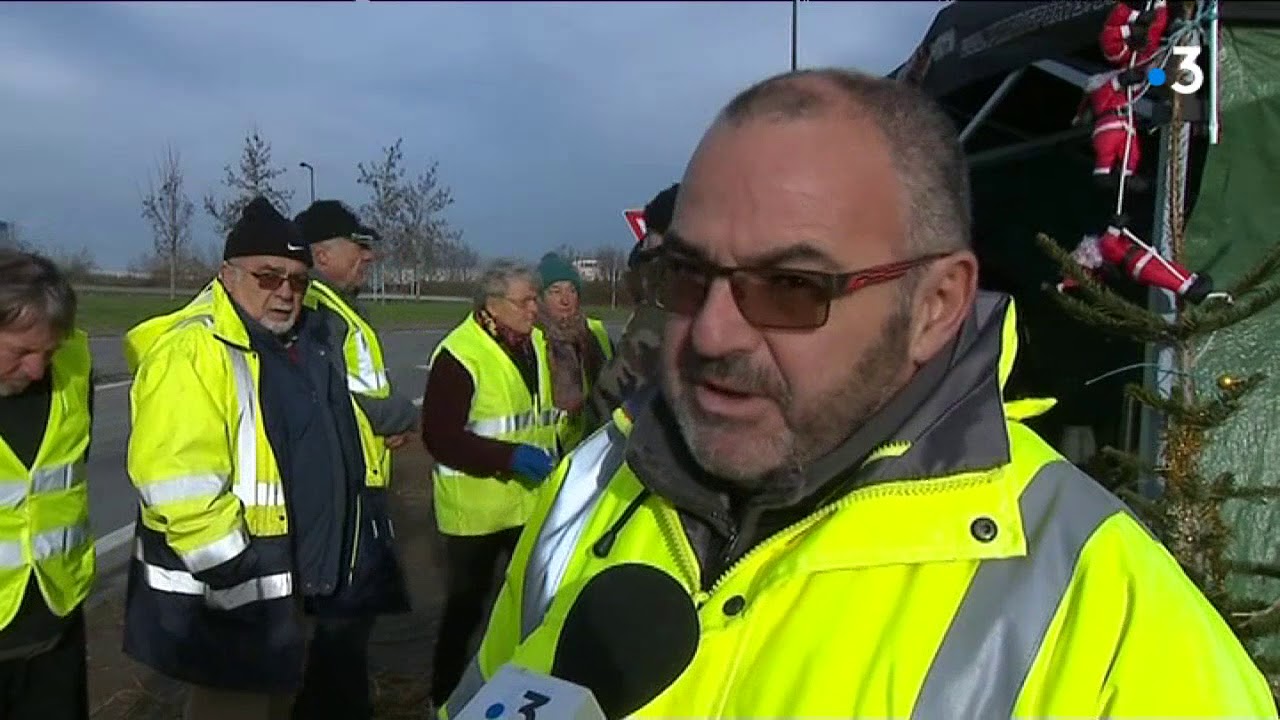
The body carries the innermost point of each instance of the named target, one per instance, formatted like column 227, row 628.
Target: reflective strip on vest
column 364, row 377
column 499, row 426
column 590, row 469
column 183, row 487
column 58, row 541
column 994, row 637
column 251, row 492
column 996, row 633
column 43, row 480
column 267, row 587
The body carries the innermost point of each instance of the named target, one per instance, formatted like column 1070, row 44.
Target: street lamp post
column 312, row 172
column 795, row 11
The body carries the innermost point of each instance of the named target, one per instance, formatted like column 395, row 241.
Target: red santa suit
column 1140, row 262
column 1113, row 130
column 1119, row 36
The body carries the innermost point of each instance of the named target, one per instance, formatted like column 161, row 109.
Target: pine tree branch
column 1204, row 414
column 1099, row 305
column 1257, row 494
column 1211, row 317
column 1256, row 569
column 1258, row 623
column 1259, row 273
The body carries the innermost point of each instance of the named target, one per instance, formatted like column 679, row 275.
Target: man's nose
column 718, row 328
column 34, row 367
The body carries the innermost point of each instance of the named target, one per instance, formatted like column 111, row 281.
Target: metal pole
column 795, row 7
column 990, row 105
column 312, row 173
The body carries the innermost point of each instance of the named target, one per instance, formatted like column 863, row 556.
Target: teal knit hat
column 552, row 269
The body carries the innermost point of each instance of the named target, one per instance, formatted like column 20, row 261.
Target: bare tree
column 457, row 261
column 567, row 252
column 10, row 237
column 407, row 213
column 169, row 211
column 254, row 176
column 612, row 264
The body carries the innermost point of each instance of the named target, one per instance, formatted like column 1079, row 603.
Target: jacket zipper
column 891, row 449
column 671, row 536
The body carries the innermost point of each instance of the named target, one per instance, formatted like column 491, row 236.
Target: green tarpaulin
column 1235, row 222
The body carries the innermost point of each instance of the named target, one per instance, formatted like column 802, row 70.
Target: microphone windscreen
column 631, row 632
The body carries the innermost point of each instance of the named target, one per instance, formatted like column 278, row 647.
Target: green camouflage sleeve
column 633, row 363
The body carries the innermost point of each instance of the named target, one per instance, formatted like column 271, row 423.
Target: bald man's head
column 921, row 140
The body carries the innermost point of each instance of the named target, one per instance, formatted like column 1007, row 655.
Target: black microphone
column 629, row 634
column 632, row 631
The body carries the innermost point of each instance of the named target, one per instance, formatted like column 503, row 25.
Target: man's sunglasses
column 271, row 281
column 768, row 298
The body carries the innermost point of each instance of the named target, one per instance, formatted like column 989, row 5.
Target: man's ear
column 944, row 296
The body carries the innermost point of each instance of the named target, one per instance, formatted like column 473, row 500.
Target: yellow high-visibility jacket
column 502, row 408
column 210, row 493
column 971, row 573
column 366, row 375
column 44, row 509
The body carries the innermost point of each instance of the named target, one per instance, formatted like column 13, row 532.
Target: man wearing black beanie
column 637, row 352
column 243, row 450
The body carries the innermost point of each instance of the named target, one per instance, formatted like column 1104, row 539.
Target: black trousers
column 336, row 682
column 475, row 567
column 50, row 686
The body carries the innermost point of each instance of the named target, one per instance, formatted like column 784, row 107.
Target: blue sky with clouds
column 547, row 118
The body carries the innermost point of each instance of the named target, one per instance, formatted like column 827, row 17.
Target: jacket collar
column 948, row 420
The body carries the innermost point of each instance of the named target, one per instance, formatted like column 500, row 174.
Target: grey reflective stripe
column 58, row 541
column 591, row 467
column 995, row 636
column 470, row 684
column 364, row 377
column 216, row 552
column 251, row 492
column 267, row 587
column 499, row 426
column 12, row 492
column 184, row 487
column 55, row 478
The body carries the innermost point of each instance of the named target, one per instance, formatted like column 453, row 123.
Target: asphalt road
column 112, row 499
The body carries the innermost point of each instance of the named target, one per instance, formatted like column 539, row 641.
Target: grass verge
column 112, row 313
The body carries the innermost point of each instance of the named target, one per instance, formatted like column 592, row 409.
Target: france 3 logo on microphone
column 1189, row 76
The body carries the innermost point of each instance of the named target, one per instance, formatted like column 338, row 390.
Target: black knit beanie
column 262, row 230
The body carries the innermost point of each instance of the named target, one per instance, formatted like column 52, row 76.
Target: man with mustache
column 829, row 467
column 245, row 454
column 46, row 548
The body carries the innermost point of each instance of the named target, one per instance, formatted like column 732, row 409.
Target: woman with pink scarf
column 577, row 346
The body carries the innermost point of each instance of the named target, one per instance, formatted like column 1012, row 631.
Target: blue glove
column 531, row 462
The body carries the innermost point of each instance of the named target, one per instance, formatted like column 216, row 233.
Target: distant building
column 589, row 269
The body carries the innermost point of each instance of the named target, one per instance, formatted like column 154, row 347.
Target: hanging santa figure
column 1108, row 100
column 1132, row 33
column 1120, row 248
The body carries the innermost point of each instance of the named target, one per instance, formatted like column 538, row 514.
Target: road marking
column 110, row 385
column 113, row 540
column 423, row 367
column 417, row 402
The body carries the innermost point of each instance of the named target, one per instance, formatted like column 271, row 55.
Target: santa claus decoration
column 1120, row 248
column 1108, row 101
column 1132, row 33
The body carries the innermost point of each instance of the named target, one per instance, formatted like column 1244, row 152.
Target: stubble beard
column 748, row 458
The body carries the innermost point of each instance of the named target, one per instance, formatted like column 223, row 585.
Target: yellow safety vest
column 366, row 375
column 199, row 456
column 44, row 509
column 1008, row 585
column 570, row 428
column 503, row 409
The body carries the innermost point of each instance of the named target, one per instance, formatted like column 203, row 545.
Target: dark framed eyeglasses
column 768, row 298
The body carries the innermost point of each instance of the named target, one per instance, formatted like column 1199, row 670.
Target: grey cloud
column 547, row 119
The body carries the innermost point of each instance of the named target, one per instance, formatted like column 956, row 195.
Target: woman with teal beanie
column 577, row 346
